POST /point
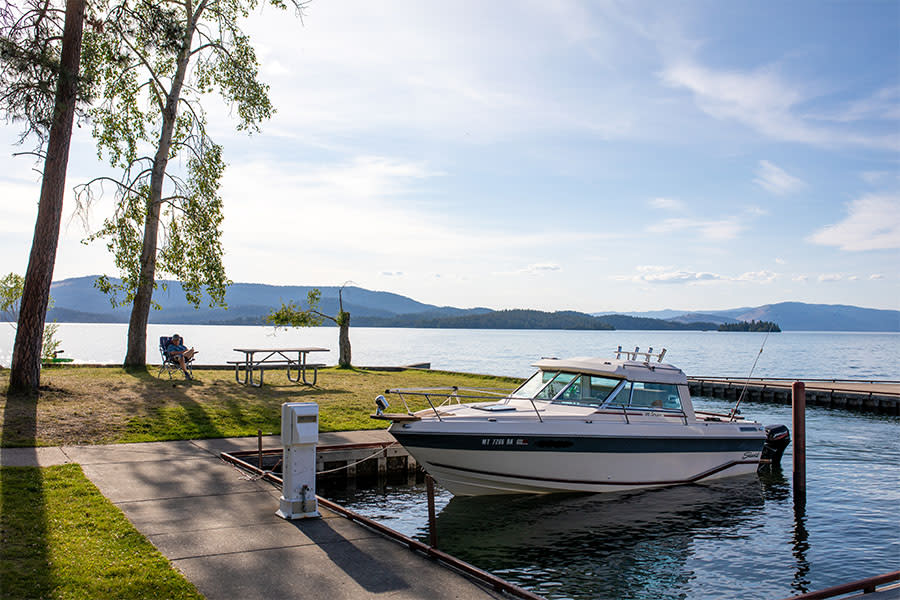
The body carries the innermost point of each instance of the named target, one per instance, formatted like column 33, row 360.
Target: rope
column 247, row 477
column 348, row 465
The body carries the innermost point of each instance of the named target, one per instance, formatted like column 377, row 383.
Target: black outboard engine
column 777, row 439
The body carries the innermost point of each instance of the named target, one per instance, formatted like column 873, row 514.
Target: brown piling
column 259, row 448
column 798, row 405
column 432, row 525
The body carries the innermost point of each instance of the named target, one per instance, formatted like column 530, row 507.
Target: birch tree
column 157, row 60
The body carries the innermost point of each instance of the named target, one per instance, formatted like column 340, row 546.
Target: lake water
column 734, row 538
column 737, row 538
column 511, row 352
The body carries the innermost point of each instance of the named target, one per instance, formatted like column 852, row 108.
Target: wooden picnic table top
column 254, row 350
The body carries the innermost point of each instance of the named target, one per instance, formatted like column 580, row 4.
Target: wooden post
column 432, row 526
column 259, row 448
column 798, row 405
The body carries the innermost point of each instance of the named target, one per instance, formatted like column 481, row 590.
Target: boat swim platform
column 849, row 394
column 217, row 525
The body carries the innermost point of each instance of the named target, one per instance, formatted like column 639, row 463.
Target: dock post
column 432, row 525
column 798, row 405
column 259, row 449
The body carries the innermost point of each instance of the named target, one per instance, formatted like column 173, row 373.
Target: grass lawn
column 81, row 405
column 60, row 538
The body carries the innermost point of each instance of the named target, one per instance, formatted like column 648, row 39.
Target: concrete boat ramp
column 218, row 526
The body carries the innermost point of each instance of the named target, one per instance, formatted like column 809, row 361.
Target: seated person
column 179, row 354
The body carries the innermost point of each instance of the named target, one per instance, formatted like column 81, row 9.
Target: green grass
column 78, row 405
column 61, row 539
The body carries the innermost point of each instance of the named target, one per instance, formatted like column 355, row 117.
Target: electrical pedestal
column 299, row 436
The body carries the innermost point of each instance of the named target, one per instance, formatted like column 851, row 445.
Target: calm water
column 739, row 538
column 736, row 538
column 511, row 352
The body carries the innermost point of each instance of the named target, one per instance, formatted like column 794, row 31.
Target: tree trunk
column 136, row 353
column 344, row 342
column 25, row 375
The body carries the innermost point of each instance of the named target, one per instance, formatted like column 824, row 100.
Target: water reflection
column 622, row 545
column 801, row 582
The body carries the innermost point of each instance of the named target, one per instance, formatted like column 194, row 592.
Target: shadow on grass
column 25, row 569
column 201, row 424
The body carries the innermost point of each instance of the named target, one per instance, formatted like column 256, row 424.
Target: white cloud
column 800, row 278
column 540, row 268
column 876, row 276
column 780, row 261
column 767, row 102
column 663, row 274
column 872, row 223
column 776, row 180
column 884, row 104
column 879, row 177
column 830, row 277
column 718, row 230
column 660, row 274
column 667, row 204
column 759, row 276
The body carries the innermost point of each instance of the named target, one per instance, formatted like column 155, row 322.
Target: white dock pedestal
column 299, row 436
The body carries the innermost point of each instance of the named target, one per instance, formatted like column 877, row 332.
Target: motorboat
column 579, row 425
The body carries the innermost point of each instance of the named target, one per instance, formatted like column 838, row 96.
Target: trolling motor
column 777, row 439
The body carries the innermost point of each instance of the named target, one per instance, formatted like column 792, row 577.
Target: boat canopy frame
column 452, row 395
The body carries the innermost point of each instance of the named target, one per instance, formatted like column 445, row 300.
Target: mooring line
column 348, row 465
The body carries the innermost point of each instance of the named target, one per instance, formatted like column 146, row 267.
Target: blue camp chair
column 169, row 364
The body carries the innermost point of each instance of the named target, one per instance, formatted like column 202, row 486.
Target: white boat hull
column 579, row 425
column 609, row 464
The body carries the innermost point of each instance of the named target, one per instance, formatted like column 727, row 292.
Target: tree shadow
column 25, row 568
column 200, row 419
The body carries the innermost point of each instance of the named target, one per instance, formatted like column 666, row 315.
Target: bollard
column 432, row 525
column 798, row 406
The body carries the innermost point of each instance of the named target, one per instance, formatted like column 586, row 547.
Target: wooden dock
column 881, row 397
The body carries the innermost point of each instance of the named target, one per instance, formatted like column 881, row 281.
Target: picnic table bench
column 275, row 358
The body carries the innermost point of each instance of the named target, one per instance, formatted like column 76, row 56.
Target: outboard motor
column 777, row 439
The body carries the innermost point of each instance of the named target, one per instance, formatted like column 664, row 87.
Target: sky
column 595, row 156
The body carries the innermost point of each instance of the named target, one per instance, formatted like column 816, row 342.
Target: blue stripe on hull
column 537, row 443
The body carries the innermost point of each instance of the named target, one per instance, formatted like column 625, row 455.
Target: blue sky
column 598, row 156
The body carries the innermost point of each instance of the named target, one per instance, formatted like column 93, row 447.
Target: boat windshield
column 544, row 385
column 588, row 390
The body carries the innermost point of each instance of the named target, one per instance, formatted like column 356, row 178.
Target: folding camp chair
column 169, row 364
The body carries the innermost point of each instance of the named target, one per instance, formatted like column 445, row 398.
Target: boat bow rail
column 442, row 395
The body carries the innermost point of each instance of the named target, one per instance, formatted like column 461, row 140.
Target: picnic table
column 257, row 360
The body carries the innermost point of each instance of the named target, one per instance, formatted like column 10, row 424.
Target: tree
column 293, row 314
column 156, row 60
column 11, row 289
column 35, row 60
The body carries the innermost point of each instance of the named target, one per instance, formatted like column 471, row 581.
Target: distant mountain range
column 77, row 300
column 796, row 316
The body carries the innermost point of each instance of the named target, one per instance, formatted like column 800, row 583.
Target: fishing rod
column 734, row 410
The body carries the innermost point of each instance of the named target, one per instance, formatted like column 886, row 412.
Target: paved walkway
column 219, row 528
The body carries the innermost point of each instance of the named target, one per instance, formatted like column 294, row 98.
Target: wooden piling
column 259, row 464
column 432, row 525
column 798, row 406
